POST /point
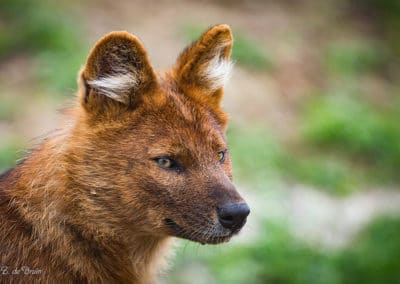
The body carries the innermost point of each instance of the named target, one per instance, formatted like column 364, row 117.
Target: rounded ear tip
column 118, row 35
column 222, row 27
column 110, row 44
column 221, row 32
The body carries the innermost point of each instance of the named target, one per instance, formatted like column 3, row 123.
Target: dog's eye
column 167, row 163
column 221, row 156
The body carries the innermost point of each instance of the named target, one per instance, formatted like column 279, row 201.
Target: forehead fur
column 192, row 104
column 181, row 111
column 177, row 121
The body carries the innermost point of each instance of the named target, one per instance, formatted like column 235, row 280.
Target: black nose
column 233, row 216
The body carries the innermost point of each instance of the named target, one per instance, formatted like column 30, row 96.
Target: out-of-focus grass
column 10, row 152
column 40, row 28
column 323, row 172
column 350, row 58
column 259, row 157
column 255, row 153
column 374, row 255
column 384, row 15
column 249, row 53
column 246, row 51
column 280, row 258
column 362, row 134
column 345, row 144
column 8, row 108
column 346, row 141
column 276, row 258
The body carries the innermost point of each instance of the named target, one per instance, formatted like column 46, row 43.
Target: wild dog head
column 150, row 150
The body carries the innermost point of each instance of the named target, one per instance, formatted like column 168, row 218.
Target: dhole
column 143, row 158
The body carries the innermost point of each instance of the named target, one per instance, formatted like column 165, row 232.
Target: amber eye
column 167, row 163
column 221, row 156
column 164, row 162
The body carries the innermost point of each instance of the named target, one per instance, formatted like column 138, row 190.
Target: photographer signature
column 23, row 270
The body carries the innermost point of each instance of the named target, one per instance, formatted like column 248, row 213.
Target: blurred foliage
column 322, row 171
column 363, row 134
column 345, row 142
column 352, row 57
column 41, row 29
column 255, row 153
column 259, row 157
column 384, row 16
column 9, row 107
column 10, row 152
column 246, row 51
column 278, row 257
column 374, row 255
column 249, row 53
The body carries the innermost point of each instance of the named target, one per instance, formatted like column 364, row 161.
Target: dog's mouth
column 203, row 236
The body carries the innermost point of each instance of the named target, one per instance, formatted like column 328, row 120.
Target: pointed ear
column 204, row 67
column 116, row 74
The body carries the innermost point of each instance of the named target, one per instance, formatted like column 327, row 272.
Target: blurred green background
column 314, row 134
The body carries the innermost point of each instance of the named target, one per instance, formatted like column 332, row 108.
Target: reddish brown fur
column 90, row 204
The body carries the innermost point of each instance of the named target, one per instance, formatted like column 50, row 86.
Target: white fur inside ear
column 218, row 72
column 116, row 87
